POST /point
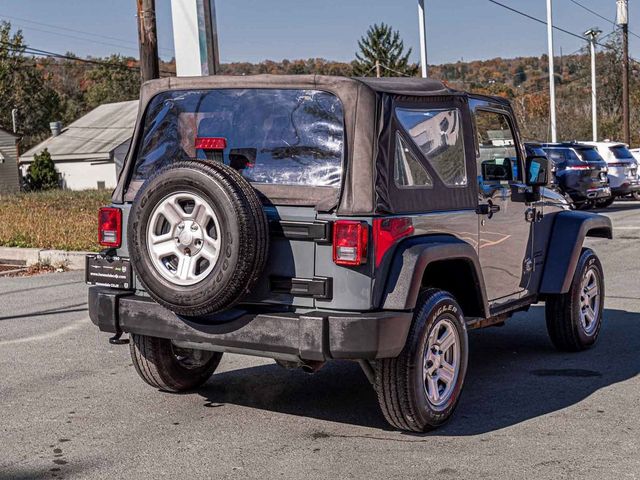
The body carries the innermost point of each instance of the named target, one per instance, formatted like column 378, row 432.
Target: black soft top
column 364, row 108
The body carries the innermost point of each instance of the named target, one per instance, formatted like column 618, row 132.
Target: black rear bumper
column 314, row 335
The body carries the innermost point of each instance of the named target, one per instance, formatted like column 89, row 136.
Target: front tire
column 419, row 390
column 167, row 367
column 574, row 319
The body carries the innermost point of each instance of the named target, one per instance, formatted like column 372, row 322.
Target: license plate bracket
column 108, row 271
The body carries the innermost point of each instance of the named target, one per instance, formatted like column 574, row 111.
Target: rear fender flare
column 569, row 230
column 413, row 257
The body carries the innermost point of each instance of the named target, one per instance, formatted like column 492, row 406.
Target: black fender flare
column 569, row 230
column 411, row 260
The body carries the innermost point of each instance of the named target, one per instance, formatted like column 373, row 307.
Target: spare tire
column 197, row 237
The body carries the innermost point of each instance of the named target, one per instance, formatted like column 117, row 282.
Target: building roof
column 93, row 136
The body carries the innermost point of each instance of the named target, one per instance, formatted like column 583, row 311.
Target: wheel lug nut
column 194, row 227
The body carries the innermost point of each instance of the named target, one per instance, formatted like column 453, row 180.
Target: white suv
column 623, row 168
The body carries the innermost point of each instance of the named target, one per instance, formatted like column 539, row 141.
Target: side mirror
column 537, row 174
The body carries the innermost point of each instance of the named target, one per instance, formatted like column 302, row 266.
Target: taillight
column 110, row 227
column 350, row 240
column 211, row 143
column 387, row 231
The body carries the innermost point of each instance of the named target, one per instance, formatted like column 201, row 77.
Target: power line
column 599, row 15
column 46, row 53
column 67, row 29
column 531, row 17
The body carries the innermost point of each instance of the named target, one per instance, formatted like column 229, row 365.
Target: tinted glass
column 438, row 135
column 589, row 155
column 621, row 153
column 408, row 171
column 556, row 155
column 293, row 137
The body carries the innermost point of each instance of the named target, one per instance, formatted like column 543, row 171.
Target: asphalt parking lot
column 72, row 405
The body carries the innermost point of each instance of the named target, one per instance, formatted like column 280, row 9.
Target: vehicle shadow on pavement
column 514, row 375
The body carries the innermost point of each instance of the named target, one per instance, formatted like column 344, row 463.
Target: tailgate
column 289, row 274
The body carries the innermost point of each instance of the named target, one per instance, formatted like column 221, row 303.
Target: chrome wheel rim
column 590, row 301
column 441, row 364
column 183, row 238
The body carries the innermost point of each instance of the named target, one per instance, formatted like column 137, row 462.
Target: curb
column 33, row 256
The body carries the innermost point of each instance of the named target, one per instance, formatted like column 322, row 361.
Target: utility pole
column 148, row 39
column 378, row 69
column 552, row 76
column 623, row 21
column 592, row 36
column 423, row 38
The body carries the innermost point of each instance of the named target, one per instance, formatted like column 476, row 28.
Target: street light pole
column 552, row 77
column 623, row 21
column 592, row 36
column 423, row 38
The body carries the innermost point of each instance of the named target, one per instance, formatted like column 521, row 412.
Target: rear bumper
column 589, row 194
column 315, row 335
column 626, row 188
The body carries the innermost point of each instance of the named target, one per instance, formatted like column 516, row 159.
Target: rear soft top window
column 272, row 136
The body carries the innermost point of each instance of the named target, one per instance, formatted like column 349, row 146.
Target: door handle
column 487, row 209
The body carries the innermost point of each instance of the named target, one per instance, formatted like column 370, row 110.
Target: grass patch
column 56, row 219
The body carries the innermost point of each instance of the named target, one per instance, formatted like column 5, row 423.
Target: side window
column 408, row 171
column 438, row 135
column 497, row 154
column 555, row 155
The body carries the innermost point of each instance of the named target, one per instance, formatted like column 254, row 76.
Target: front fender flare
column 570, row 228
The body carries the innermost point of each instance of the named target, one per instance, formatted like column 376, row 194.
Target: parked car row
column 592, row 174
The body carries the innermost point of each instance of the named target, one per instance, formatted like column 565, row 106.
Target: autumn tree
column 113, row 80
column 24, row 87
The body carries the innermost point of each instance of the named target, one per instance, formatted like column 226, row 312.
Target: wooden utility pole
column 623, row 21
column 378, row 69
column 148, row 39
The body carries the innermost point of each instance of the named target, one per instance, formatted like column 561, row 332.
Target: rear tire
column 574, row 319
column 167, row 367
column 635, row 195
column 605, row 203
column 407, row 385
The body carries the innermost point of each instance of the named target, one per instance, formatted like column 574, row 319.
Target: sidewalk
column 33, row 256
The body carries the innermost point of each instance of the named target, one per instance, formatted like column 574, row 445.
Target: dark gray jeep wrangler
column 310, row 218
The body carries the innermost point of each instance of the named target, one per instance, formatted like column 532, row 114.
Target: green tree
column 383, row 47
column 23, row 86
column 113, row 81
column 42, row 174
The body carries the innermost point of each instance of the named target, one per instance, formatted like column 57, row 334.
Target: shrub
column 42, row 174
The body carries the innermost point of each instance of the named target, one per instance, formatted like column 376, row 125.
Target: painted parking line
column 45, row 336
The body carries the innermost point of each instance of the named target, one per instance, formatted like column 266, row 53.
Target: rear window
column 621, row 152
column 271, row 136
column 589, row 155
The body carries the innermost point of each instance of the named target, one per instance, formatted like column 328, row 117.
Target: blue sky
column 254, row 30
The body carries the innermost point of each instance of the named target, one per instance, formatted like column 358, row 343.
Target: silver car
column 623, row 168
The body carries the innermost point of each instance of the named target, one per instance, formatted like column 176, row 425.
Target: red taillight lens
column 387, row 231
column 350, row 239
column 110, row 227
column 211, row 143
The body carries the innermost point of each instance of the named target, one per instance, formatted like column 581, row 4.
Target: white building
column 88, row 152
